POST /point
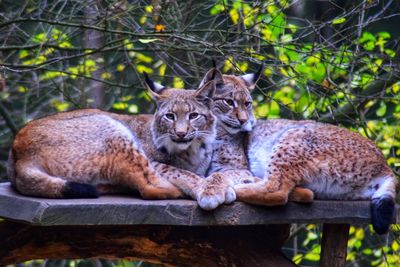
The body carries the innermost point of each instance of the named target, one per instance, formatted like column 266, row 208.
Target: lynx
column 294, row 157
column 82, row 153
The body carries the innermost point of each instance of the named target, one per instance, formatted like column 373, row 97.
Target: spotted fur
column 233, row 109
column 332, row 162
column 69, row 155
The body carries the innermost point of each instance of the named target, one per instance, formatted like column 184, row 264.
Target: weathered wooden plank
column 125, row 210
column 172, row 245
column 334, row 245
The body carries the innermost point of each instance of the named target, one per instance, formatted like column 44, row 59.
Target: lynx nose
column 180, row 134
column 242, row 120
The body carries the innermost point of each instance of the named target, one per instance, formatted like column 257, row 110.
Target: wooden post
column 334, row 245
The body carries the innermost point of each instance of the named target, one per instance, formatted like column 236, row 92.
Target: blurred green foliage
column 332, row 61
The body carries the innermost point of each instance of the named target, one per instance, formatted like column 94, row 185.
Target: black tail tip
column 382, row 214
column 79, row 190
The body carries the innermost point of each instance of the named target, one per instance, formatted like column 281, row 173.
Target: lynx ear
column 154, row 89
column 206, row 92
column 212, row 75
column 251, row 79
column 152, row 85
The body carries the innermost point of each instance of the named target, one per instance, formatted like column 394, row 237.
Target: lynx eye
column 170, row 116
column 248, row 104
column 229, row 102
column 193, row 115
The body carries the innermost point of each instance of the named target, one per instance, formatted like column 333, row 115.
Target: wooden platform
column 179, row 225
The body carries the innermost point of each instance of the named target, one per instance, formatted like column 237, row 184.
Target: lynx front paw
column 216, row 191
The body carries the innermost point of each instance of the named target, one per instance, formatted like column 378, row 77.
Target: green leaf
column 367, row 36
column 312, row 256
column 120, row 105
column 384, row 35
column 390, row 53
column 24, row 53
column 39, row 38
column 381, row 111
column 218, row 8
column 338, row 20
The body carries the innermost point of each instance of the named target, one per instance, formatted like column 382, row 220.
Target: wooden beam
column 334, row 245
column 171, row 245
column 128, row 210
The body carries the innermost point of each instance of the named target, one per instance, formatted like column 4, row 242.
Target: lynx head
column 232, row 100
column 183, row 119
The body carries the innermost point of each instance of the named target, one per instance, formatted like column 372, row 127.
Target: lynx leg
column 300, row 194
column 32, row 180
column 209, row 192
column 266, row 193
column 152, row 187
column 132, row 169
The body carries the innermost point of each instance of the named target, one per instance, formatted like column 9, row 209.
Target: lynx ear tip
column 214, row 63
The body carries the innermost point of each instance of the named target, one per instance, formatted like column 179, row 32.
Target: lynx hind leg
column 302, row 195
column 142, row 177
column 216, row 189
column 33, row 181
column 272, row 192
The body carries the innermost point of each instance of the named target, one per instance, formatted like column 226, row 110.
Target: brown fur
column 333, row 162
column 113, row 151
column 234, row 120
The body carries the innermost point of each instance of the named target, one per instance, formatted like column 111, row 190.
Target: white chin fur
column 247, row 127
column 173, row 147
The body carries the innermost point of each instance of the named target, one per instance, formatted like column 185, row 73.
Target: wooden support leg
column 334, row 245
column 171, row 245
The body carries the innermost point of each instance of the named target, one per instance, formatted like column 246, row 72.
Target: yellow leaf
column 162, row 69
column 22, row 89
column 143, row 58
column 148, row 9
column 268, row 72
column 106, row 75
column 142, row 68
column 60, row 106
column 234, row 14
column 178, row 83
column 120, row 105
column 395, row 245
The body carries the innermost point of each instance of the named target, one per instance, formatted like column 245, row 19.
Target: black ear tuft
column 214, row 63
column 257, row 74
column 251, row 78
column 212, row 75
column 153, row 86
